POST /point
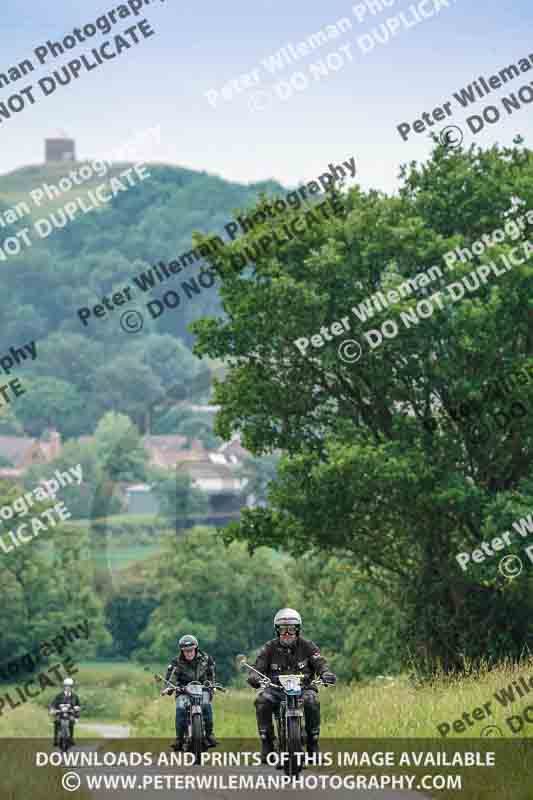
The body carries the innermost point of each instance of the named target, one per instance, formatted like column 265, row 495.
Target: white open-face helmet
column 68, row 683
column 287, row 617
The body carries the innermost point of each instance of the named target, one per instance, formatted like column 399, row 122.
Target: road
column 153, row 793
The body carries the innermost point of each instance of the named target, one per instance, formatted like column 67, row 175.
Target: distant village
column 215, row 472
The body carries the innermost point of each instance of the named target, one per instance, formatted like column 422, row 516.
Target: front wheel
column 293, row 765
column 197, row 738
column 64, row 738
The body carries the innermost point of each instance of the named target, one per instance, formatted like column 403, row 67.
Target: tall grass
column 391, row 708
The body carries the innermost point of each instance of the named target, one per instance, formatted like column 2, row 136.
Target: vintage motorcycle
column 193, row 740
column 289, row 717
column 66, row 713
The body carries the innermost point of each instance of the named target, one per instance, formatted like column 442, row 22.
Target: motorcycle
column 289, row 717
column 193, row 741
column 66, row 713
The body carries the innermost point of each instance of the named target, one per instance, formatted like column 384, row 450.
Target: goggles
column 188, row 649
column 287, row 629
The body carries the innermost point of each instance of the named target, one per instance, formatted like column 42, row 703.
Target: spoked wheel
column 197, row 739
column 294, row 763
column 64, row 741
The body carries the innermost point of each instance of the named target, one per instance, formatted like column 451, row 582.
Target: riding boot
column 267, row 743
column 178, row 745
column 312, row 744
column 312, row 724
column 209, row 737
column 71, row 734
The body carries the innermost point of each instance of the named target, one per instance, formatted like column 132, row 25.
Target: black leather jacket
column 274, row 660
column 201, row 668
column 72, row 699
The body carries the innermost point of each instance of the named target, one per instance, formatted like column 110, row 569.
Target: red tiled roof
column 11, row 474
column 171, row 442
column 18, row 449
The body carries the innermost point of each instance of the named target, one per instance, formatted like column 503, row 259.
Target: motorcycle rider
column 66, row 696
column 287, row 654
column 192, row 664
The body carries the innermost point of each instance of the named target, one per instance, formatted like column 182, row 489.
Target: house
column 213, row 472
column 233, row 450
column 24, row 452
column 163, row 451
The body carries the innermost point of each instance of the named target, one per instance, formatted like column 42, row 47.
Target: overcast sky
column 201, row 46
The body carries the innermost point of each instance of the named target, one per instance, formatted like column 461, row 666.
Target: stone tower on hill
column 59, row 148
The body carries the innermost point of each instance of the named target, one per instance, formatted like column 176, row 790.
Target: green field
column 123, row 557
column 118, row 557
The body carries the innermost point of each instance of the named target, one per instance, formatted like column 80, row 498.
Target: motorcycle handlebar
column 265, row 680
column 58, row 710
column 316, row 682
column 180, row 689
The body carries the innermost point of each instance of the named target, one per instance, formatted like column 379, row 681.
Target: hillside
column 96, row 255
column 16, row 185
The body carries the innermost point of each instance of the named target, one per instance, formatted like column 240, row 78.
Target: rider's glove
column 167, row 690
column 254, row 681
column 329, row 677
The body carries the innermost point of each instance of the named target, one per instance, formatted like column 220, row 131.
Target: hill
column 93, row 256
column 15, row 186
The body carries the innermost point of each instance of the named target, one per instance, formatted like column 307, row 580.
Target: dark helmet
column 287, row 616
column 188, row 641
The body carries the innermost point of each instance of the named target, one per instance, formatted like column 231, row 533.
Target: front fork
column 293, row 707
column 195, row 711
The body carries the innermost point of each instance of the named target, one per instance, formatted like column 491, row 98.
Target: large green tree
column 119, row 448
column 362, row 477
column 47, row 583
column 79, row 498
column 49, row 403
